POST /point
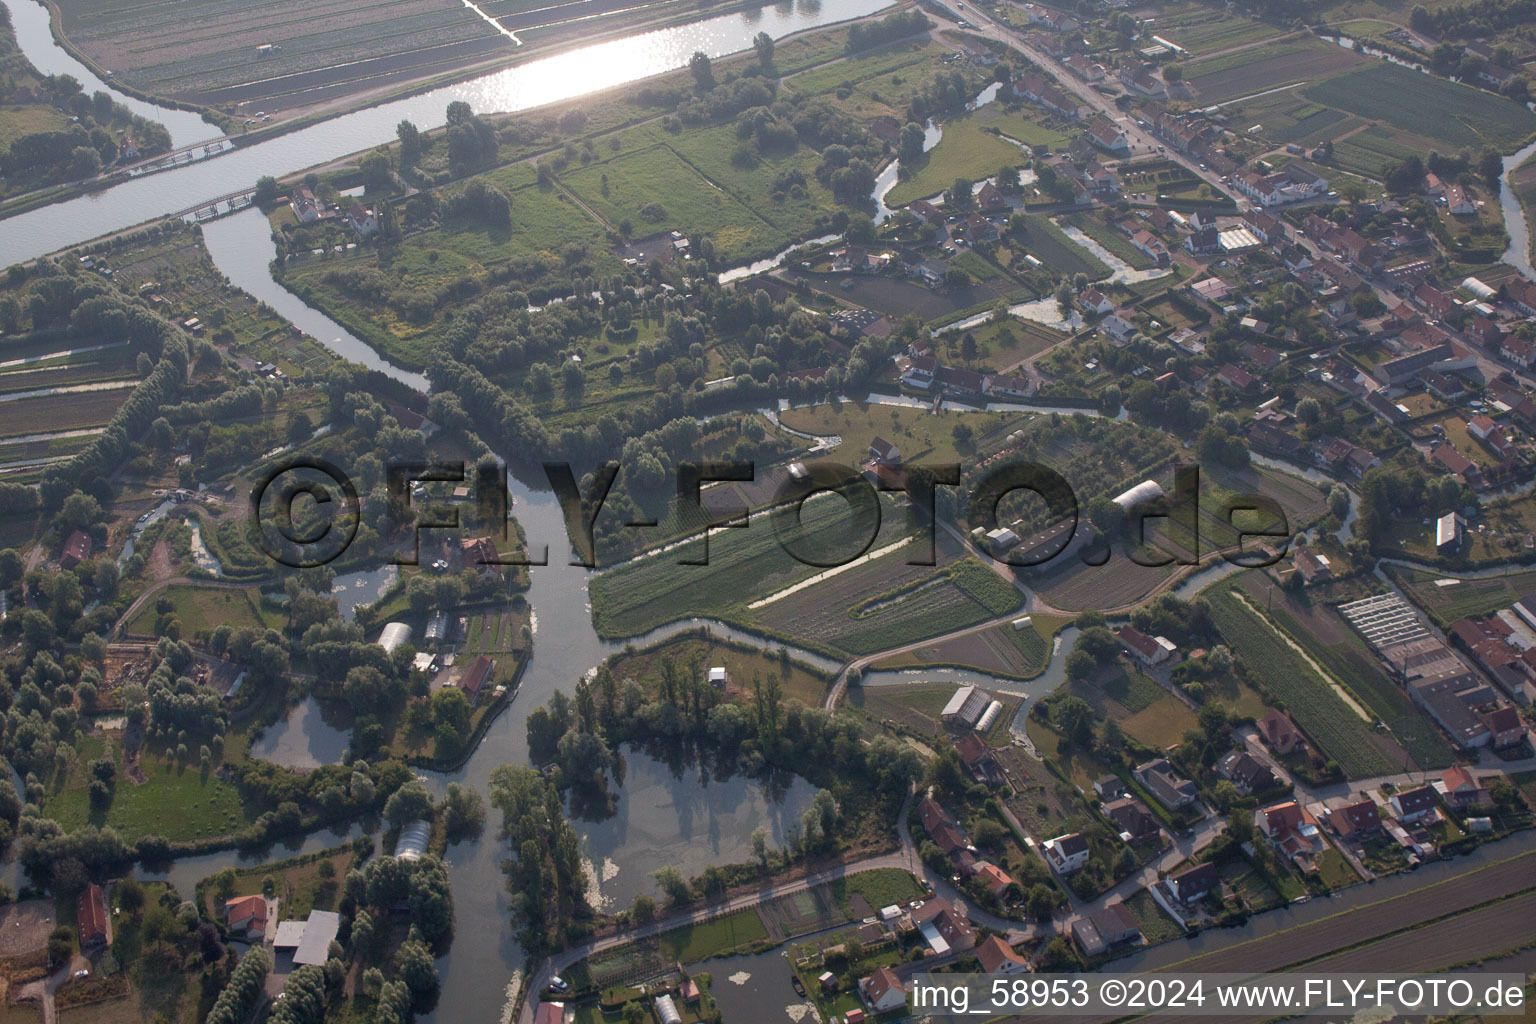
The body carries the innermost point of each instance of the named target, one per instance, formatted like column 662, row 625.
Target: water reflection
column 678, row 809
column 549, row 80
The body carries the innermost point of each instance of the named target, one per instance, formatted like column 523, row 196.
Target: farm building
column 91, row 917
column 76, row 550
column 1147, row 490
column 966, row 707
column 413, row 840
column 393, row 635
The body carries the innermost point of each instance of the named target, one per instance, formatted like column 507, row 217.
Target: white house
column 1066, row 853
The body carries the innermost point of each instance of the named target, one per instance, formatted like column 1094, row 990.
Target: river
column 551, row 79
column 34, row 34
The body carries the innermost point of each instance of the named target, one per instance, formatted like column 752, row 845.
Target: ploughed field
column 211, row 54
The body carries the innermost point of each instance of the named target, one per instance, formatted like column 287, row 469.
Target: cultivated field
column 1463, row 116
column 1337, row 730
column 1463, row 598
column 207, row 53
column 1331, row 642
column 1248, row 73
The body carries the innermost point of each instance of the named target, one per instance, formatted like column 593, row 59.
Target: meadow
column 966, row 150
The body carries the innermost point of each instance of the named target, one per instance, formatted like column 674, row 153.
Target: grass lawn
column 300, row 886
column 1162, row 723
column 880, row 887
column 719, row 935
column 917, row 432
column 176, row 803
column 743, row 663
column 1334, row 870
column 999, row 346
column 1156, row 925
column 200, row 609
column 1017, row 124
column 965, row 151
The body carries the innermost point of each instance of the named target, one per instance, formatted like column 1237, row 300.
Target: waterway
column 34, row 34
column 547, row 80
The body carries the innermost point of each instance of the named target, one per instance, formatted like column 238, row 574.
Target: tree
column 962, row 193
column 410, row 802
column 673, row 884
column 266, row 191
column 84, row 162
column 410, row 141
column 702, row 70
column 913, row 138
column 1173, row 74
column 1491, row 166
column 763, row 44
column 377, row 173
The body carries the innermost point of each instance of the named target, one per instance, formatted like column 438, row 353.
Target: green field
column 1339, row 649
column 1332, row 725
column 1046, row 242
column 1472, row 598
column 176, row 803
column 965, row 151
column 693, row 942
column 658, row 177
column 199, row 610
column 1462, row 115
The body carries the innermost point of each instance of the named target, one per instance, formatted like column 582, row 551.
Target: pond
column 356, row 589
column 303, row 740
column 684, row 817
column 754, row 988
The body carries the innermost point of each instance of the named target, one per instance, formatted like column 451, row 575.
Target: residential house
column 990, row 197
column 1094, row 301
column 1314, row 568
column 1522, row 293
column 1133, row 821
column 1193, row 883
column 1098, row 930
column 979, row 229
column 1084, row 68
column 976, row 756
column 1292, row 831
column 247, row 917
column 944, row 927
column 1246, row 772
column 1413, row 805
column 1150, row 244
column 1505, row 726
column 925, row 210
column 1280, row 732
column 362, row 219
column 1435, row 302
column 1518, row 351
column 77, row 548
column 1236, row 378
column 1117, row 327
column 887, row 129
column 1147, row 649
column 1432, row 186
column 1458, row 202
column 997, row 957
column 883, row 991
column 1109, row 136
column 1165, row 784
column 1460, row 788
column 1204, row 241
column 1357, row 821
column 993, row 877
column 305, row 206
column 1066, row 853
column 882, row 450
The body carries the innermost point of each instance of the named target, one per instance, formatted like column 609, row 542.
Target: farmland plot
column 1463, row 116
column 1250, row 72
column 886, row 603
column 1337, row 730
column 208, row 53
